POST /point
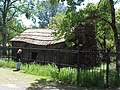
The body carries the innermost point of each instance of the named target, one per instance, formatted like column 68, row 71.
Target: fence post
column 8, row 52
column 117, row 77
column 28, row 57
column 107, row 66
column 78, row 65
column 58, row 63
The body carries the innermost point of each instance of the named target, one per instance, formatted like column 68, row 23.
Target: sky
column 28, row 22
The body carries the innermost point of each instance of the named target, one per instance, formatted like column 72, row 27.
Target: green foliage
column 104, row 32
column 9, row 64
column 71, row 3
column 104, row 9
column 40, row 70
column 99, row 14
column 73, row 19
column 66, row 23
column 15, row 28
column 54, row 72
column 118, row 20
column 91, row 11
column 48, row 11
column 29, row 8
column 9, row 10
column 53, row 1
column 56, row 21
column 68, row 75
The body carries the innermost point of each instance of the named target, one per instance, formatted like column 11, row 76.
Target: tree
column 48, row 11
column 15, row 28
column 71, row 3
column 105, row 13
column 9, row 9
column 111, row 20
column 116, row 34
column 56, row 21
column 98, row 16
column 118, row 19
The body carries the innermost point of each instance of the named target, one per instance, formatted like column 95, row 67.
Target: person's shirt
column 18, row 57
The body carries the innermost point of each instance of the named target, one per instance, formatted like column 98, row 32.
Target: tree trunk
column 4, row 30
column 113, row 26
column 4, row 38
column 117, row 48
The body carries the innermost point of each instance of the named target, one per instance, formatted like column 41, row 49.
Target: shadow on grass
column 43, row 84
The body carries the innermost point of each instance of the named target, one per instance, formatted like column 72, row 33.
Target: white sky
column 28, row 22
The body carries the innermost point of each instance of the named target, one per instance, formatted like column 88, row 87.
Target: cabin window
column 34, row 55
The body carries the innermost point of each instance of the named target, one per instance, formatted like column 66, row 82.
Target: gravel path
column 14, row 80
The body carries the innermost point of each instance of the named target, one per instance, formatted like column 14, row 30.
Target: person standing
column 18, row 59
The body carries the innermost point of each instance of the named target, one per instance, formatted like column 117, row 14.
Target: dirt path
column 11, row 80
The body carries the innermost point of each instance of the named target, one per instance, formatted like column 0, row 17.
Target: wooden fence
column 103, row 74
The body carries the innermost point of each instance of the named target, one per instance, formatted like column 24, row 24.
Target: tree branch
column 8, row 2
column 13, row 2
column 106, row 21
column 4, row 7
column 117, row 1
column 1, row 10
column 12, row 7
column 98, row 17
column 12, row 16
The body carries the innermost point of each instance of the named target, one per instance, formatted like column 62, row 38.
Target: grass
column 87, row 77
column 33, row 69
column 9, row 64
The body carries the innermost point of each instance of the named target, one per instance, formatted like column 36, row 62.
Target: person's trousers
column 18, row 65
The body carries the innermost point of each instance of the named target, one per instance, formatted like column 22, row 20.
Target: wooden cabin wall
column 49, row 56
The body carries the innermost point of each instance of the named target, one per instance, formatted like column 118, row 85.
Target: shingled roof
column 37, row 37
